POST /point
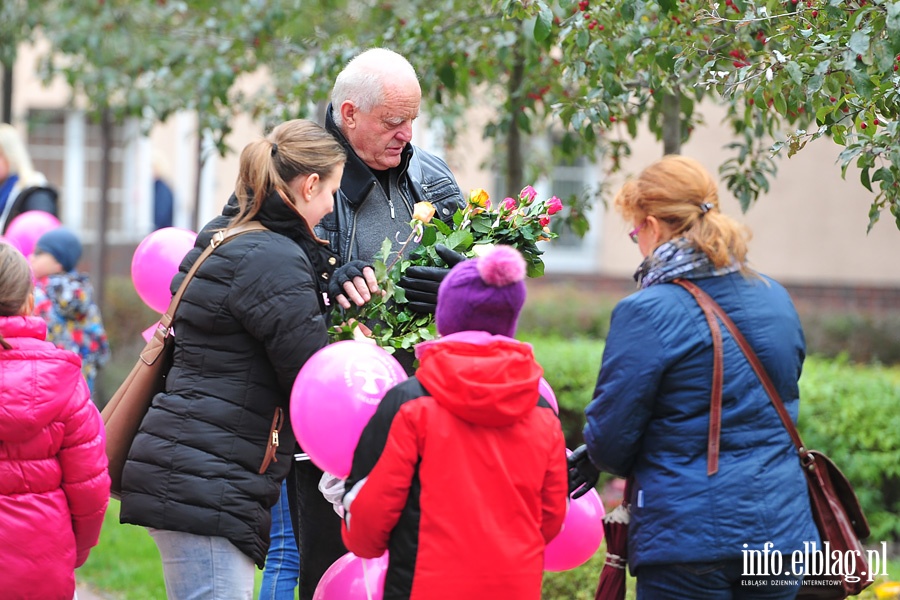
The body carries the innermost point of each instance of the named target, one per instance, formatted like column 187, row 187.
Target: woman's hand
column 354, row 282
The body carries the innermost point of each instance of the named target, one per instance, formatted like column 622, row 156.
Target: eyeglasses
column 633, row 234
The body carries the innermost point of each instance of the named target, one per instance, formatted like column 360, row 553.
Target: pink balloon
column 148, row 333
column 334, row 396
column 580, row 537
column 353, row 578
column 23, row 231
column 155, row 262
column 548, row 395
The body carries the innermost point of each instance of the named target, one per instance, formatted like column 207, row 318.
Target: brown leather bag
column 835, row 507
column 123, row 414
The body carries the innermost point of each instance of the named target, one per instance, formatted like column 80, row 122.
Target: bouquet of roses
column 519, row 222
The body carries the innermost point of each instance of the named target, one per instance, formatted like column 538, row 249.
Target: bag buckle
column 217, row 238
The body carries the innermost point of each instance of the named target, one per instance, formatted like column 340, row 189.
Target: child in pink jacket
column 54, row 485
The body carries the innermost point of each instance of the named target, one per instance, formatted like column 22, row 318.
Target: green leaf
column 543, row 24
column 793, row 69
column 447, row 74
column 667, row 5
column 893, row 16
column 864, row 178
column 859, row 42
column 443, row 227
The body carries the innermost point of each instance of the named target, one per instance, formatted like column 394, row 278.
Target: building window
column 578, row 178
column 68, row 149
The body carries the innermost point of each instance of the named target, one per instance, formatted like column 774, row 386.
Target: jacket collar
column 358, row 177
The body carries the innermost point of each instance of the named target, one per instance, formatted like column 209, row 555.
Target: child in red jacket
column 54, row 485
column 461, row 473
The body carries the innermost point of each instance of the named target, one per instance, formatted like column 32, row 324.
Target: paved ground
column 84, row 592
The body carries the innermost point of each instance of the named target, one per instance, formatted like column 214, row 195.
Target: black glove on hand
column 583, row 475
column 343, row 274
column 421, row 283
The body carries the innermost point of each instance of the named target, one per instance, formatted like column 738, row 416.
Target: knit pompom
column 501, row 266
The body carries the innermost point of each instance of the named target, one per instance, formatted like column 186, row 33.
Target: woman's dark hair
column 294, row 148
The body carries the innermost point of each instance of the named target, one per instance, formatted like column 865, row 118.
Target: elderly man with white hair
column 374, row 102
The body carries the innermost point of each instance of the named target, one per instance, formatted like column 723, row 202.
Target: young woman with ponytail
column 248, row 321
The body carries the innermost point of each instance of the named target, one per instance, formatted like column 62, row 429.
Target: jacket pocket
column 444, row 194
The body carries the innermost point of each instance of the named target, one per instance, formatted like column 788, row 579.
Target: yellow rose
column 479, row 198
column 423, row 211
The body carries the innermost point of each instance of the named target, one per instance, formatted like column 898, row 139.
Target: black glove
column 343, row 274
column 583, row 475
column 421, row 283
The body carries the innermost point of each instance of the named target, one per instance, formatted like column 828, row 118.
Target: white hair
column 13, row 149
column 363, row 79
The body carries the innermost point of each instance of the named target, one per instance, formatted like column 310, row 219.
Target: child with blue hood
column 64, row 298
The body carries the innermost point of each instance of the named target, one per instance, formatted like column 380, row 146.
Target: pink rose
column 554, row 205
column 509, row 204
column 527, row 195
column 544, row 220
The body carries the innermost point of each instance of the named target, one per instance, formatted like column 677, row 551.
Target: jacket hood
column 485, row 379
column 38, row 378
column 70, row 293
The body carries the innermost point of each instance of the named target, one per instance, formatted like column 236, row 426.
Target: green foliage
column 125, row 317
column 126, row 560
column 519, row 222
column 850, row 413
column 125, row 564
column 792, row 71
column 566, row 310
column 865, row 338
column 570, row 367
column 580, row 583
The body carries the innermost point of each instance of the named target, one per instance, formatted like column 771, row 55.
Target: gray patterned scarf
column 678, row 258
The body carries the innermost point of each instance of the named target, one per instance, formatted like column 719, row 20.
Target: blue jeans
column 198, row 567
column 720, row 580
column 282, row 573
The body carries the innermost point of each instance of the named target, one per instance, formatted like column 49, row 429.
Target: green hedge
column 567, row 310
column 848, row 411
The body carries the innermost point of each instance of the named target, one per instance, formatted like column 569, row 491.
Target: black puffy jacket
column 248, row 321
column 37, row 197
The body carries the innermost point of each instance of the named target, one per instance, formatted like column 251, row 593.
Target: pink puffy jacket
column 54, row 486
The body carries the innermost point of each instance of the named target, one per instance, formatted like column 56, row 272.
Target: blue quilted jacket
column 650, row 416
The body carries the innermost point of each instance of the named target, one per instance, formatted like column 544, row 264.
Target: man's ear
column 349, row 114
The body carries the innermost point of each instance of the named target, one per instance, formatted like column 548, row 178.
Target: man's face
column 379, row 136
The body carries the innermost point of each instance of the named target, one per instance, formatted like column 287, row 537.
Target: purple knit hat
column 483, row 294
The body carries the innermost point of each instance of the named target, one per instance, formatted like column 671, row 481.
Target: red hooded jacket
column 487, row 468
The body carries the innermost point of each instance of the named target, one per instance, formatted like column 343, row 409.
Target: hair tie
column 706, row 207
column 274, row 149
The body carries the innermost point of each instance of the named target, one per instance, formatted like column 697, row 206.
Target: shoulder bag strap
column 708, row 304
column 715, row 403
column 218, row 238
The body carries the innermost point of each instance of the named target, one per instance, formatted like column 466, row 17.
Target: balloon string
column 366, row 579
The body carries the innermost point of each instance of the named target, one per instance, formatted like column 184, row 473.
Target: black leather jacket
column 422, row 177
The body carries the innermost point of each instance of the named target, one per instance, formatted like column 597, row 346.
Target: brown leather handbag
column 835, row 507
column 124, row 412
